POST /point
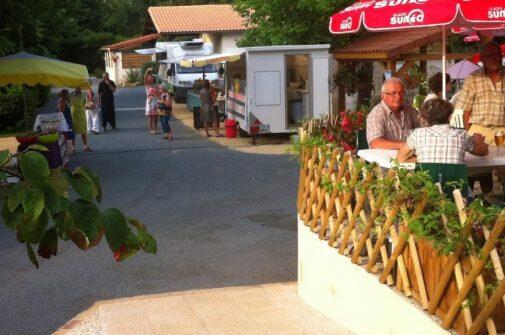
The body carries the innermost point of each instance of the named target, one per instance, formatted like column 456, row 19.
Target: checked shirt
column 440, row 144
column 485, row 100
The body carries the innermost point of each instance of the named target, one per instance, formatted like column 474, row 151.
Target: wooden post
column 484, row 314
column 481, row 286
column 343, row 205
column 475, row 272
column 382, row 236
column 334, row 194
column 357, row 209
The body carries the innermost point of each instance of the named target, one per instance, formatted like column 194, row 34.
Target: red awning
column 383, row 15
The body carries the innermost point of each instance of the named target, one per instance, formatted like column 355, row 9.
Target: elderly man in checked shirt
column 391, row 121
column 483, row 100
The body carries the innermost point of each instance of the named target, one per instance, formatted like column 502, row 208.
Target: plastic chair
column 444, row 173
column 418, row 101
column 361, row 142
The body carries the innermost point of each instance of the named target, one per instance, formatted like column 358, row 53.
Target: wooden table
column 385, row 158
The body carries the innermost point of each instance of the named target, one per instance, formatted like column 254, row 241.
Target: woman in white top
column 92, row 120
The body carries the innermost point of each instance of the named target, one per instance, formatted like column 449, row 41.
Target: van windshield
column 209, row 68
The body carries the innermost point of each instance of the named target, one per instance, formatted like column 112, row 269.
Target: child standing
column 64, row 108
column 152, row 110
column 165, row 112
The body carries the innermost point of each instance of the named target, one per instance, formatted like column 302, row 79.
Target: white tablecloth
column 384, row 158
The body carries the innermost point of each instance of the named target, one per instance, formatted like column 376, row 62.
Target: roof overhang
column 388, row 45
column 131, row 43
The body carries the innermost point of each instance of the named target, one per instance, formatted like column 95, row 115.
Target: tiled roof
column 193, row 19
column 389, row 44
column 131, row 43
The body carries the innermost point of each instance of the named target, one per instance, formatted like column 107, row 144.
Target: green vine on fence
column 439, row 223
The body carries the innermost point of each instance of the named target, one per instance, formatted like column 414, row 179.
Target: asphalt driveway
column 221, row 218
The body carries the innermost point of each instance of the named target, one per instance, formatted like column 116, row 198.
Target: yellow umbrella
column 25, row 68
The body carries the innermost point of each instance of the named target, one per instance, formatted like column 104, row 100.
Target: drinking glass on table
column 499, row 140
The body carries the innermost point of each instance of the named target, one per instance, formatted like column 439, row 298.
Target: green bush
column 43, row 94
column 133, row 76
column 13, row 116
column 98, row 73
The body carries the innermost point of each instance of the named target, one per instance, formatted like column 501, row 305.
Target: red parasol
column 385, row 15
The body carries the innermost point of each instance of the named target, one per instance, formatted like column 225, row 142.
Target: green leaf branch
column 47, row 206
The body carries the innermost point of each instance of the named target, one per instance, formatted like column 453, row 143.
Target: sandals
column 88, row 149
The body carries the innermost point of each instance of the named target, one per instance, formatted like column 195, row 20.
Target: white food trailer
column 270, row 89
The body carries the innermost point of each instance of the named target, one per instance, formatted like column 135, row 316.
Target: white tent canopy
column 211, row 59
column 149, row 51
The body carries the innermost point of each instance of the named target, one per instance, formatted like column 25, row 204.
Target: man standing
column 390, row 122
column 106, row 90
column 482, row 99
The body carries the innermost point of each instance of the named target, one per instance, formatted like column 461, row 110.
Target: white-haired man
column 391, row 121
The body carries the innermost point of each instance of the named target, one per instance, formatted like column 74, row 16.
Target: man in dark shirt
column 106, row 90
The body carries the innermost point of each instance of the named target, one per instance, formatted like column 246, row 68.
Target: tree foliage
column 289, row 22
column 74, row 30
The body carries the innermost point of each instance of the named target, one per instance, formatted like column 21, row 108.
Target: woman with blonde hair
column 79, row 117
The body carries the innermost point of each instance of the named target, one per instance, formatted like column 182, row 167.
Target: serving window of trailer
column 297, row 88
column 236, row 87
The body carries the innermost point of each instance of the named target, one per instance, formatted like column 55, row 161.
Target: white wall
column 347, row 293
column 229, row 40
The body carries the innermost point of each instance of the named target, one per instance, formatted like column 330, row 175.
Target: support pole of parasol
column 444, row 84
column 24, row 98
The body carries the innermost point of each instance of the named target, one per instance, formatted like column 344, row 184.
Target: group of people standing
column 80, row 112
column 158, row 106
column 425, row 136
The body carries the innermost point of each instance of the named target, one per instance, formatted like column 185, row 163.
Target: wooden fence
column 462, row 290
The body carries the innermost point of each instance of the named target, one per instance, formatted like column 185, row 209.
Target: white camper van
column 182, row 78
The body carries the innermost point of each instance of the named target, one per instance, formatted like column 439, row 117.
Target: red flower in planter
column 346, row 124
column 346, row 146
column 330, row 138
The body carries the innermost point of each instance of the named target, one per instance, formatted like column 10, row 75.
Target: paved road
column 221, row 218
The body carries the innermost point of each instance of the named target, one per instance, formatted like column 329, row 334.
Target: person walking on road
column 64, row 109
column 165, row 112
column 106, row 90
column 79, row 117
column 92, row 122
